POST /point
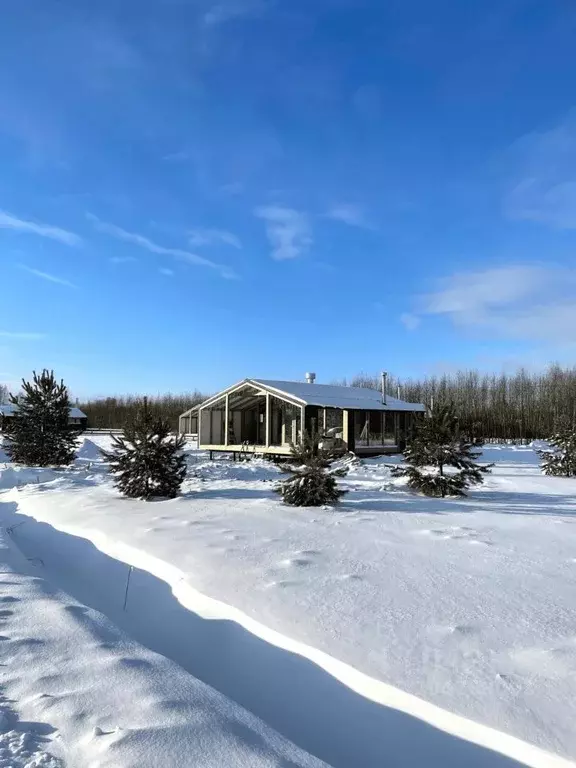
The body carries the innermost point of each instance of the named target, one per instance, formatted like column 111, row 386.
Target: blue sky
column 194, row 191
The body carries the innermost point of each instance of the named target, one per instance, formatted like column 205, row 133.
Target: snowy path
column 468, row 605
column 77, row 691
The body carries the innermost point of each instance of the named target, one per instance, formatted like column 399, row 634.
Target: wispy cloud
column 122, row 259
column 543, row 176
column 144, row 242
column 220, row 13
column 349, row 214
column 9, row 221
column 166, row 272
column 47, row 276
column 523, row 301
column 22, row 335
column 409, row 321
column 200, row 237
column 182, row 156
column 288, row 231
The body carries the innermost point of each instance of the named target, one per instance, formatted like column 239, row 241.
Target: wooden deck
column 284, row 450
column 248, row 450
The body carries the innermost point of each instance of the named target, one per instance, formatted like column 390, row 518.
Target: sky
column 198, row 191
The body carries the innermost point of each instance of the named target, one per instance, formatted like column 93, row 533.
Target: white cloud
column 143, row 242
column 122, row 259
column 349, row 214
column 528, row 302
column 199, row 237
column 22, row 335
column 47, row 276
column 220, row 13
column 183, row 156
column 543, row 177
column 410, row 321
column 288, row 231
column 8, row 221
column 166, row 272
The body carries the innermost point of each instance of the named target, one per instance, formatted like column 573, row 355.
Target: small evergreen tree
column 560, row 458
column 441, row 462
column 309, row 452
column 311, row 484
column 40, row 434
column 147, row 459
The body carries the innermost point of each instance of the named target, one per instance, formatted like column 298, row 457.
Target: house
column 265, row 416
column 77, row 419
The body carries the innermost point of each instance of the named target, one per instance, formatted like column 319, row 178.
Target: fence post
column 130, row 569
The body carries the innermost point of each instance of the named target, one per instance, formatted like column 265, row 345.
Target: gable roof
column 334, row 396
column 322, row 395
column 9, row 409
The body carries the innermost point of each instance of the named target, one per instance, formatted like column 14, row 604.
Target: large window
column 361, row 428
column 286, row 418
column 375, row 428
column 334, row 418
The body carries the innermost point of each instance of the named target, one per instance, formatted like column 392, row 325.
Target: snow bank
column 91, row 696
column 88, row 451
column 466, row 606
column 12, row 476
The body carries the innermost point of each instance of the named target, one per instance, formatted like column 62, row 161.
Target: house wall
column 204, row 426
column 236, row 437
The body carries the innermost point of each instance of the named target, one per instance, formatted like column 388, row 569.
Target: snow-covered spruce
column 147, row 460
column 40, row 435
column 441, row 462
column 312, row 483
column 560, row 458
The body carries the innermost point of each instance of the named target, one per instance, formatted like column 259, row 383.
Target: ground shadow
column 500, row 502
column 290, row 693
column 230, row 493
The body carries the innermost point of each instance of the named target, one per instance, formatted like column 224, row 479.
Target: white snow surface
column 75, row 690
column 440, row 632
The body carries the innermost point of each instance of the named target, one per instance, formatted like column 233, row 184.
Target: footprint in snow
column 282, row 584
column 134, row 663
column 298, row 562
column 309, row 552
column 455, row 533
column 459, row 630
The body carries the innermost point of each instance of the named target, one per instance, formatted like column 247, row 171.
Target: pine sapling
column 312, row 484
column 147, row 460
column 440, row 460
column 40, row 434
column 560, row 458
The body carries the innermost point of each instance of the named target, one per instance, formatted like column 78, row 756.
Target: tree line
column 115, row 412
column 522, row 406
column 519, row 406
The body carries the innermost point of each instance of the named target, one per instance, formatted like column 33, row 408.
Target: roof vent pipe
column 310, row 378
column 384, row 380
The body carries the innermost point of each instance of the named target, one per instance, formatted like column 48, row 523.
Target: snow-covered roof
column 9, row 409
column 332, row 396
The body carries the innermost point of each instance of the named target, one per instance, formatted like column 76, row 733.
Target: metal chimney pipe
column 310, row 378
column 384, row 380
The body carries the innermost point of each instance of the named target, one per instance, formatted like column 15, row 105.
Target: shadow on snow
column 293, row 695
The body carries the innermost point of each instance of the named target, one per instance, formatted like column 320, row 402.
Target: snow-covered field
column 393, row 631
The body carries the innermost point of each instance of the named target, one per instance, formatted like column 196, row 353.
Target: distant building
column 265, row 416
column 77, row 419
